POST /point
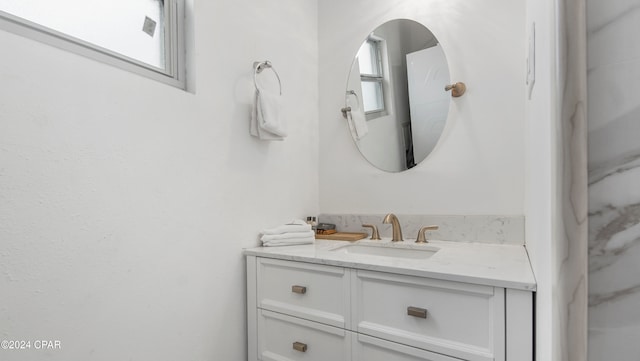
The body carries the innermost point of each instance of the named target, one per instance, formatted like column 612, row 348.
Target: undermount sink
column 394, row 252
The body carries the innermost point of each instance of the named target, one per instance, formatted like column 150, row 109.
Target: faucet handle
column 374, row 231
column 421, row 233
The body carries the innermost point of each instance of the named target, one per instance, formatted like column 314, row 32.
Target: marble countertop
column 480, row 263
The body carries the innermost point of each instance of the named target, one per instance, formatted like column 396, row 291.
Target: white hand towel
column 287, row 236
column 296, row 225
column 268, row 114
column 256, row 130
column 357, row 120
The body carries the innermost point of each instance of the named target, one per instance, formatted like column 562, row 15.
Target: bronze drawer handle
column 299, row 346
column 299, row 289
column 417, row 312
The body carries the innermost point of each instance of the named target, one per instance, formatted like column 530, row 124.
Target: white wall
column 125, row 203
column 478, row 167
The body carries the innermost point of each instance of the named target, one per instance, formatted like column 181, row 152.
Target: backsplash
column 472, row 228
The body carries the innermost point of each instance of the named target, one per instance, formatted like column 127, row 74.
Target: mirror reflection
column 395, row 93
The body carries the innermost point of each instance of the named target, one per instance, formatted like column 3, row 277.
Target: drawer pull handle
column 299, row 346
column 417, row 312
column 299, row 289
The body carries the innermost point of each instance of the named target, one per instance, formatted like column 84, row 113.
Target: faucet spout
column 395, row 225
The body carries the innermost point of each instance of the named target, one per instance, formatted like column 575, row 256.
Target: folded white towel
column 287, row 236
column 289, row 242
column 268, row 114
column 356, row 119
column 256, row 130
column 297, row 225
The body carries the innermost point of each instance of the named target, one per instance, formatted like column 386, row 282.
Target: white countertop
column 480, row 263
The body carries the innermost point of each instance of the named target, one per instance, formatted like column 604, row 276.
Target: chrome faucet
column 395, row 225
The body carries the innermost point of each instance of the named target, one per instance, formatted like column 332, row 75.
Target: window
column 143, row 36
column 372, row 77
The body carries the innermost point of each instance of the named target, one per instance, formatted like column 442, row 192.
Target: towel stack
column 296, row 232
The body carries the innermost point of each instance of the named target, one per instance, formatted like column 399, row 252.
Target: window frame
column 174, row 74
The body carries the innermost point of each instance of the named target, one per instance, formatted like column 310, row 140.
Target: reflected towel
column 356, row 119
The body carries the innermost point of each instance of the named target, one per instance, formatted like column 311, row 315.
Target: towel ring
column 258, row 67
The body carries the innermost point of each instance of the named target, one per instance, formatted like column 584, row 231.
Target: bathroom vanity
column 384, row 301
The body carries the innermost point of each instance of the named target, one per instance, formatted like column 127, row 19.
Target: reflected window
column 371, row 65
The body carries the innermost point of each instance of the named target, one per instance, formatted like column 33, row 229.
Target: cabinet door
column 461, row 320
column 366, row 348
column 285, row 338
column 313, row 292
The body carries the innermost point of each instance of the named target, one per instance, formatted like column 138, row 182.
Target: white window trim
column 174, row 74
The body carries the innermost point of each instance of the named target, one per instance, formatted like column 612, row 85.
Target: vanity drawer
column 313, row 292
column 282, row 337
column 458, row 319
column 366, row 348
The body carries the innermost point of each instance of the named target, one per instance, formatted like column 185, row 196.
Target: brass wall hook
column 457, row 89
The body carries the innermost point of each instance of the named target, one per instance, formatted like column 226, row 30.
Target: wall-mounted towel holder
column 258, row 67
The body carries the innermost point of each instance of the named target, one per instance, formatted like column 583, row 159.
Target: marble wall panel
column 614, row 179
column 570, row 247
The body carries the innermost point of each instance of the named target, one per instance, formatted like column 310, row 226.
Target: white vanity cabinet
column 316, row 312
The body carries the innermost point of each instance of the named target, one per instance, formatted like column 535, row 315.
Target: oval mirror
column 395, row 93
